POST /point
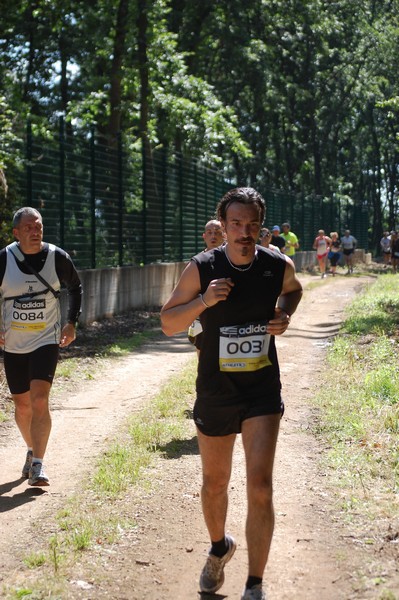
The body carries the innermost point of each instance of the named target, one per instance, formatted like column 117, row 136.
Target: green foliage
column 7, row 135
column 301, row 96
column 9, row 159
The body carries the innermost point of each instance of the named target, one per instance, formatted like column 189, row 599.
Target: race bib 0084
column 29, row 314
column 244, row 348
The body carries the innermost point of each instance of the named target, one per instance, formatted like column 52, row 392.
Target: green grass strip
column 359, row 401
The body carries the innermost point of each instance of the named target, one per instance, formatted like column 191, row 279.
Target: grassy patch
column 122, row 346
column 376, row 311
column 75, row 368
column 359, row 422
column 35, row 559
column 360, row 401
column 149, row 433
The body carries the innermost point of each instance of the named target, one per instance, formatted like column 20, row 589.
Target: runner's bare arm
column 185, row 304
column 288, row 301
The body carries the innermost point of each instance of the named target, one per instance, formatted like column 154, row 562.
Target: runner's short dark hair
column 21, row 212
column 244, row 195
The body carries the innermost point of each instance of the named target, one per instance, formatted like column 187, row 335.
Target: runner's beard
column 247, row 250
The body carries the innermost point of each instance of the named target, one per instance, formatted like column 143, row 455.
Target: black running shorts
column 20, row 369
column 223, row 420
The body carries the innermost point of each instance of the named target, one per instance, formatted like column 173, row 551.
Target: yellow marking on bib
column 16, row 326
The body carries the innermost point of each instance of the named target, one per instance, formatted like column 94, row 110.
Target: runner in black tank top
column 244, row 296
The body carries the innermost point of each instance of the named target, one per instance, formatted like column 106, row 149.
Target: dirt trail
column 160, row 558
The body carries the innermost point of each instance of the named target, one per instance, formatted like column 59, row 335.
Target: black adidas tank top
column 221, row 379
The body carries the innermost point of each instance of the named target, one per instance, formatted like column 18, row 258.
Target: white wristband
column 203, row 301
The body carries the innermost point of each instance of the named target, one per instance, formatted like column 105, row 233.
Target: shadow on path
column 10, row 502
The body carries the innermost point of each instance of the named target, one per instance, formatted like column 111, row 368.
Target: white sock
column 36, row 460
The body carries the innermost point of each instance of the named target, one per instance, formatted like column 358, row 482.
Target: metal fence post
column 164, row 164
column 215, row 189
column 302, row 200
column 93, row 197
column 29, row 194
column 62, row 180
column 144, row 197
column 196, row 206
column 120, row 200
column 206, row 197
column 181, row 207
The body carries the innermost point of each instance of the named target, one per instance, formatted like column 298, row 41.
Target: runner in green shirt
column 291, row 240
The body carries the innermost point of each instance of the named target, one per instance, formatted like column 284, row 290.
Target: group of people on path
column 389, row 244
column 331, row 248
column 284, row 241
column 241, row 293
column 328, row 248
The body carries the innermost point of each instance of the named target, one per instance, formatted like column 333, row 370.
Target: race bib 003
column 244, row 348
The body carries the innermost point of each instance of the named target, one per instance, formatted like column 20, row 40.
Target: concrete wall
column 361, row 256
column 111, row 291
column 304, row 261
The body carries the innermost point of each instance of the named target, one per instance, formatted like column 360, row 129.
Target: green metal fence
column 112, row 205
